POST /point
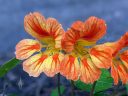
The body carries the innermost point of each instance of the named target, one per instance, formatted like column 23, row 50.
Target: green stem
column 73, row 86
column 58, row 77
column 93, row 88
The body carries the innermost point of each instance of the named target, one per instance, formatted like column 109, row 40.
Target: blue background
column 12, row 13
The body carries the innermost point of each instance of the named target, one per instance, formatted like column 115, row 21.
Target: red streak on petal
column 84, row 61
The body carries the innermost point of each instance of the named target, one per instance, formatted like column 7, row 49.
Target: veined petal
column 39, row 27
column 70, row 67
column 101, row 56
column 35, row 25
column 52, row 64
column 86, row 32
column 39, row 63
column 95, row 28
column 124, row 58
column 123, row 74
column 55, row 30
column 69, row 39
column 124, row 39
column 91, row 30
column 26, row 47
column 34, row 65
column 118, row 45
column 114, row 74
column 118, row 72
column 89, row 72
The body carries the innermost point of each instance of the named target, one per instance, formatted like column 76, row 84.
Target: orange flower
column 77, row 62
column 119, row 63
column 43, row 55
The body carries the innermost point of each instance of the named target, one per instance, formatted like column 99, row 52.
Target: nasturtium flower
column 119, row 63
column 42, row 54
column 78, row 62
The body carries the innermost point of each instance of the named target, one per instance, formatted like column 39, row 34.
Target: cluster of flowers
column 56, row 51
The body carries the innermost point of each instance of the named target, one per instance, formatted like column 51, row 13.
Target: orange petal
column 55, row 30
column 119, row 44
column 37, row 26
column 69, row 39
column 123, row 74
column 25, row 48
column 70, row 67
column 34, row 65
column 124, row 58
column 101, row 56
column 124, row 40
column 114, row 74
column 118, row 71
column 78, row 27
column 89, row 72
column 95, row 28
column 92, row 30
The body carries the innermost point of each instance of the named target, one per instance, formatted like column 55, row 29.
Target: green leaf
column 55, row 91
column 100, row 94
column 79, row 84
column 105, row 82
column 8, row 66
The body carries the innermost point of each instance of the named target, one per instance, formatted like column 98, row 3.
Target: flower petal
column 118, row 71
column 114, row 74
column 123, row 74
column 101, row 56
column 26, row 47
column 37, row 26
column 55, row 30
column 39, row 63
column 70, row 67
column 95, row 28
column 118, row 45
column 88, row 32
column 52, row 64
column 124, row 58
column 69, row 39
column 89, row 72
column 34, row 65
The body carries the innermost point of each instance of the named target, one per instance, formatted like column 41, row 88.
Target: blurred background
column 12, row 13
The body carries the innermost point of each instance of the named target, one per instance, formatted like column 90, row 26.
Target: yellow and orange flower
column 57, row 51
column 78, row 63
column 119, row 64
column 43, row 54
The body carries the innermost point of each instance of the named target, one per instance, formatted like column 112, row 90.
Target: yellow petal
column 34, row 65
column 51, row 65
column 26, row 47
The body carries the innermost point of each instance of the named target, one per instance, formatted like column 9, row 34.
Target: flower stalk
column 58, row 81
column 93, row 88
column 73, row 86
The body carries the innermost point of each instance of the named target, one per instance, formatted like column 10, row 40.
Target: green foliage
column 55, row 91
column 100, row 94
column 105, row 82
column 8, row 66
